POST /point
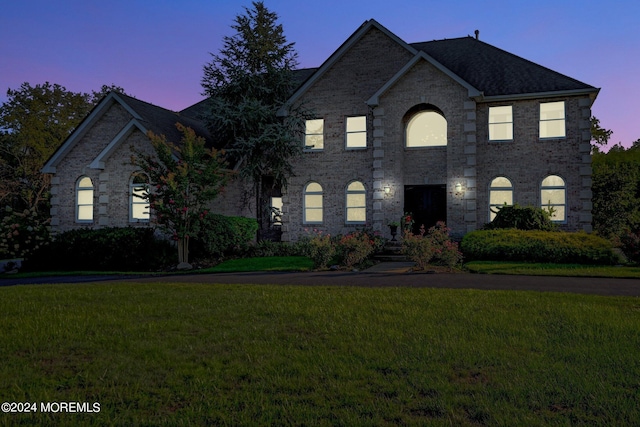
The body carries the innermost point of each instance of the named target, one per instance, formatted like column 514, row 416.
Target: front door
column 427, row 204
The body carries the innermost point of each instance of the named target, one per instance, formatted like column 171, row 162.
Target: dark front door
column 427, row 204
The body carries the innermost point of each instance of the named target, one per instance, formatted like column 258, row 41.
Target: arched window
column 312, row 203
column 426, row 128
column 500, row 194
column 138, row 201
column 553, row 197
column 84, row 200
column 356, row 203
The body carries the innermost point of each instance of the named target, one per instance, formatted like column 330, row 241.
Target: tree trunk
column 183, row 254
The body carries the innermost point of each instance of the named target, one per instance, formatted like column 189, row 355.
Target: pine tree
column 248, row 82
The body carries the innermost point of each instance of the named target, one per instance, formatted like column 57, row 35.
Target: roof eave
column 592, row 92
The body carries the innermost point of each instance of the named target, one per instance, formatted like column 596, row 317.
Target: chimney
column 477, row 34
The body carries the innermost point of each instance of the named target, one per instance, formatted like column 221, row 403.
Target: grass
column 542, row 269
column 182, row 354
column 289, row 263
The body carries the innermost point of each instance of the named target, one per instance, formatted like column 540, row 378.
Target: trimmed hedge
column 222, row 235
column 522, row 218
column 111, row 248
column 537, row 246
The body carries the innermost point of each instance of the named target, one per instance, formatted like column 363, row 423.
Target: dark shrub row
column 522, row 218
column 537, row 246
column 111, row 248
column 224, row 235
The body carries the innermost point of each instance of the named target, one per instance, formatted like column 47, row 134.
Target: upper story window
column 356, row 203
column 356, row 132
column 552, row 120
column 312, row 204
column 426, row 128
column 553, row 197
column 501, row 123
column 314, row 134
column 500, row 194
column 84, row 200
column 138, row 201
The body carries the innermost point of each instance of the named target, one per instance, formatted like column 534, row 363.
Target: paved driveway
column 380, row 278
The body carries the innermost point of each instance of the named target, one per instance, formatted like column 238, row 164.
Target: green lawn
column 541, row 269
column 275, row 263
column 195, row 354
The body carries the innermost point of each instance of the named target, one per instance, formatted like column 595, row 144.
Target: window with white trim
column 356, row 203
column 84, row 200
column 276, row 210
column 138, row 200
column 553, row 197
column 356, row 132
column 313, row 206
column 501, row 123
column 314, row 134
column 500, row 194
column 552, row 120
column 426, row 129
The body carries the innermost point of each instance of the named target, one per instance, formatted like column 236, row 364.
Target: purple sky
column 155, row 49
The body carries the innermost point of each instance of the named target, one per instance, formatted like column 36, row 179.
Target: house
column 447, row 130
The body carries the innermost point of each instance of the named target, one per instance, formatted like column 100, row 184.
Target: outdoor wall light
column 458, row 189
column 387, row 189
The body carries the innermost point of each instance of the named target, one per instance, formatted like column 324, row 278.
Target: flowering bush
column 319, row 247
column 433, row 245
column 356, row 247
column 407, row 222
column 21, row 233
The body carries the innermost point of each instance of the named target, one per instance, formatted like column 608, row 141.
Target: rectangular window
column 139, row 203
column 356, row 133
column 276, row 210
column 501, row 123
column 552, row 120
column 314, row 134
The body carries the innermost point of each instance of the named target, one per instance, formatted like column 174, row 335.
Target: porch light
column 387, row 189
column 458, row 189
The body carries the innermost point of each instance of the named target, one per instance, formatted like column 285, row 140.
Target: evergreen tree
column 248, row 82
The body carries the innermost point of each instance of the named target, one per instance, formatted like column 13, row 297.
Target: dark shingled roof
column 163, row 122
column 495, row 71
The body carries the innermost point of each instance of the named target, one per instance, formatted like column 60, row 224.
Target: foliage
column 223, row 235
column 22, row 233
column 248, row 82
column 522, row 218
column 110, row 248
column 537, row 246
column 616, row 191
column 268, row 248
column 433, row 245
column 630, row 246
column 184, row 178
column 599, row 136
column 319, row 247
column 34, row 121
column 355, row 247
column 263, row 263
column 407, row 222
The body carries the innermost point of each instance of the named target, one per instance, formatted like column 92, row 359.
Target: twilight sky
column 155, row 49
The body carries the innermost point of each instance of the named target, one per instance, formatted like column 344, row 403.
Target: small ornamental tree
column 184, row 178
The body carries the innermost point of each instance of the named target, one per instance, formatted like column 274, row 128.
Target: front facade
column 397, row 131
column 447, row 130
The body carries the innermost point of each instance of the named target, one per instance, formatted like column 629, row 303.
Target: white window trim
column 420, row 147
column 304, row 203
column 133, row 200
column 491, row 205
column 563, row 119
column 78, row 205
column 308, row 148
column 500, row 123
column 544, row 205
column 347, row 207
column 347, row 133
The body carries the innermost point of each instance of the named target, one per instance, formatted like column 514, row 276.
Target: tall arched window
column 500, row 194
column 426, row 128
column 312, row 203
column 553, row 197
column 84, row 200
column 138, row 203
column 356, row 203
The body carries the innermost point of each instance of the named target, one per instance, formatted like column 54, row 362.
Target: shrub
column 537, row 246
column 319, row 247
column 433, row 246
column 22, row 233
column 111, row 248
column 223, row 235
column 355, row 247
column 630, row 245
column 522, row 218
column 267, row 248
